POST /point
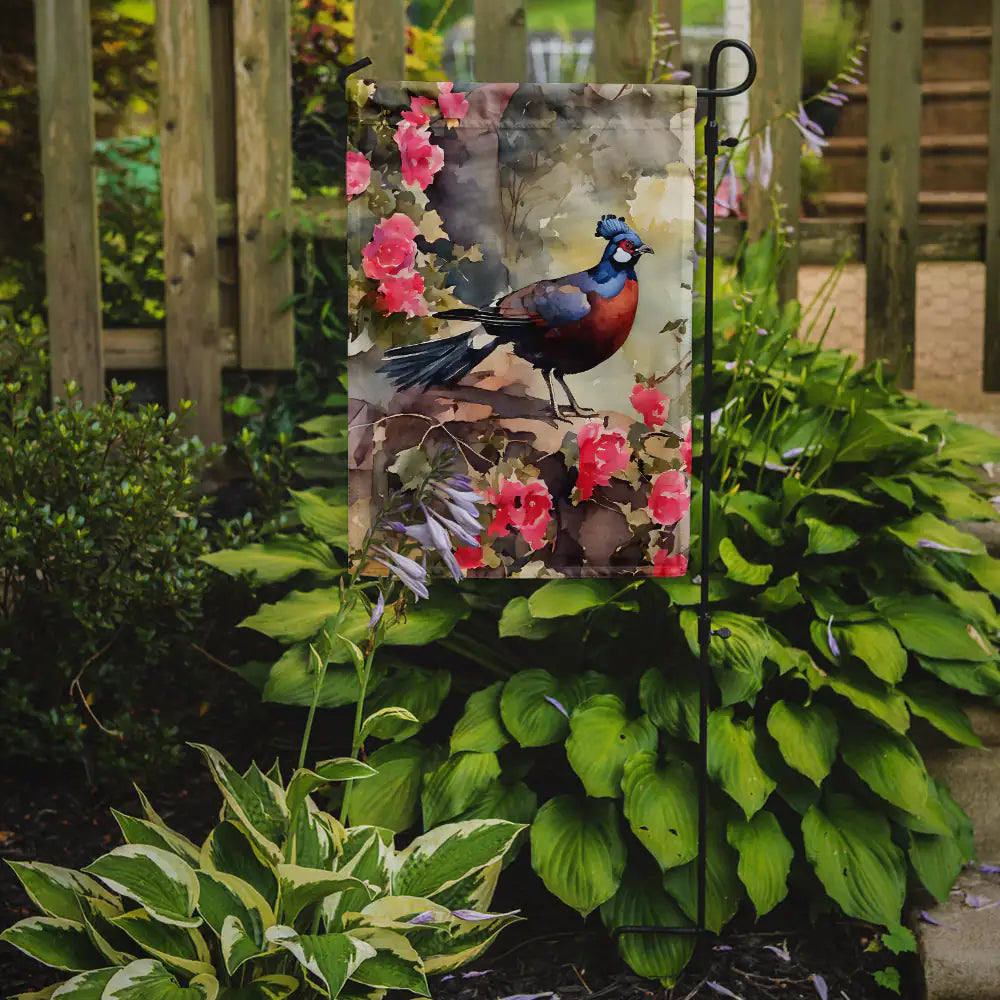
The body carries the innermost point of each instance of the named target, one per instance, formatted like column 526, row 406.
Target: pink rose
column 454, row 107
column 686, row 450
column 402, row 293
column 391, row 250
column 359, row 173
column 652, row 405
column 525, row 506
column 420, row 158
column 669, row 500
column 416, row 115
column 665, row 564
column 602, row 454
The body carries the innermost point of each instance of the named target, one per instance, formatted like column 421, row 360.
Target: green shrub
column 858, row 613
column 101, row 525
column 829, row 35
column 280, row 899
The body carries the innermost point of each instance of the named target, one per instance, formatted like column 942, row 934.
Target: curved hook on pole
column 713, row 90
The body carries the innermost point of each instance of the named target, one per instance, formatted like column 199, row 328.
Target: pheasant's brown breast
column 580, row 346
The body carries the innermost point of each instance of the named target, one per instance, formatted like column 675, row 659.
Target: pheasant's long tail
column 437, row 362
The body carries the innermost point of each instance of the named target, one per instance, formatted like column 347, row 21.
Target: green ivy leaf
column 601, row 739
column 732, row 761
column 578, row 851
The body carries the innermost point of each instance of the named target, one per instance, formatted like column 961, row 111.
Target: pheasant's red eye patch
column 625, row 245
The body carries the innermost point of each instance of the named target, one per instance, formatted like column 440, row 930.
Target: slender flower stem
column 359, row 715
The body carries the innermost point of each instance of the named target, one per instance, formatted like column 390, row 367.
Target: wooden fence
column 225, row 127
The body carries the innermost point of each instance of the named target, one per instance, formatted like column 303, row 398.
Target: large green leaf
column 876, row 645
column 223, row 895
column 871, row 434
column 480, row 727
column 889, row 765
column 560, row 598
column 530, row 708
column 853, row 855
column 299, row 615
column 86, row 986
column 724, row 890
column 867, row 693
column 601, row 739
column 417, row 689
column 976, row 678
column 929, row 626
column 437, row 860
column 456, row 784
column 806, row 736
column 330, row 959
column 937, row 859
column 957, row 501
column 968, row 443
column 391, row 798
column 733, row 763
column 396, row 964
column 826, row 539
column 760, row 512
column 939, row 706
column 157, row 880
column 783, row 595
column 739, row 569
column 301, row 887
column 517, row 622
column 926, row 528
column 292, row 681
column 765, row 859
column 326, row 519
column 278, row 558
column 147, row 979
column 671, row 701
column 56, row 891
column 737, row 661
column 228, row 849
column 578, row 851
column 642, row 901
column 661, row 806
column 54, row 941
column 985, row 571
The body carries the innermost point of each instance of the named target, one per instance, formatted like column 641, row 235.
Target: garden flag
column 521, row 260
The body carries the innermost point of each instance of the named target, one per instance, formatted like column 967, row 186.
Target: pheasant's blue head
column 625, row 246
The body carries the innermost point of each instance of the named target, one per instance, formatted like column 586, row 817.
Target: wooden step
column 947, row 163
column 967, row 206
column 949, row 107
column 956, row 54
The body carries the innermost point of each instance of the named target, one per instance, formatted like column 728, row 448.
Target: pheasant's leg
column 547, row 375
column 573, row 407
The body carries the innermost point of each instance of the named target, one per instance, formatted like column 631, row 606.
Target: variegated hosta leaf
column 238, row 944
column 315, row 838
column 147, row 979
column 181, row 949
column 396, row 964
column 56, row 891
column 304, row 782
column 109, row 941
column 86, row 986
column 264, row 988
column 450, row 853
column 54, row 941
column 144, row 831
column 156, row 879
column 366, row 856
column 255, row 800
column 445, row 939
column 228, row 849
column 301, row 887
column 223, row 895
column 329, row 959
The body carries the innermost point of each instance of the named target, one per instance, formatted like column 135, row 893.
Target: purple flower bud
column 411, row 574
column 377, row 613
column 476, row 916
column 556, row 704
column 427, row 917
column 819, row 984
column 464, row 536
column 926, row 543
column 782, row 952
column 831, row 642
column 723, row 991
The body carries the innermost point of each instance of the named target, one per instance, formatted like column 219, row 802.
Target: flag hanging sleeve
column 521, row 261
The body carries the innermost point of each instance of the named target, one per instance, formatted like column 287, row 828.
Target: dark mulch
column 551, row 952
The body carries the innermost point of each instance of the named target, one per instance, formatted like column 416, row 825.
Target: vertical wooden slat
column 667, row 47
column 776, row 33
column 72, row 259
column 622, row 41
column 501, row 41
column 262, row 57
column 894, row 104
column 380, row 34
column 190, row 253
column 991, row 343
column 735, row 110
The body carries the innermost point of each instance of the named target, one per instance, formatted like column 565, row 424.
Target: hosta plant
column 281, row 900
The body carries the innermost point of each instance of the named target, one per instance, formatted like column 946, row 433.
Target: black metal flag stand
column 705, row 632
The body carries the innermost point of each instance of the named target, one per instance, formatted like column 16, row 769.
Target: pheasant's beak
column 644, row 249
